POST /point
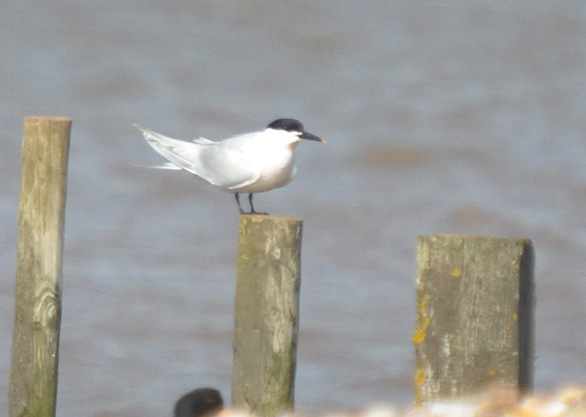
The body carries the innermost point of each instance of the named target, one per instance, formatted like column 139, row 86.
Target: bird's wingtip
column 146, row 132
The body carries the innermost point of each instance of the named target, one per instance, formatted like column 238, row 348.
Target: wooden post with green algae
column 475, row 299
column 35, row 341
column 266, row 314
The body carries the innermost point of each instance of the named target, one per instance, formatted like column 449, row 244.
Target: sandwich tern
column 249, row 163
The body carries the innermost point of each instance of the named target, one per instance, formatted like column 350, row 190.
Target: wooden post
column 35, row 342
column 266, row 314
column 474, row 315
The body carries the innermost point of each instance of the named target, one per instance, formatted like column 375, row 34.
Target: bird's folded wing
column 228, row 167
column 220, row 166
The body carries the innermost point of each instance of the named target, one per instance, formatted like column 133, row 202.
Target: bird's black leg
column 252, row 211
column 238, row 201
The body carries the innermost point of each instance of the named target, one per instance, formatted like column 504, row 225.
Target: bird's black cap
column 201, row 402
column 293, row 125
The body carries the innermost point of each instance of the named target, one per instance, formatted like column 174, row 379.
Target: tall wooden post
column 474, row 315
column 35, row 342
column 266, row 314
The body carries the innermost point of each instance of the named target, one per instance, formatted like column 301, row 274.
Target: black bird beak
column 309, row 136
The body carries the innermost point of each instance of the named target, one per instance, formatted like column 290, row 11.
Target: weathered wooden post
column 35, row 342
column 266, row 314
column 474, row 315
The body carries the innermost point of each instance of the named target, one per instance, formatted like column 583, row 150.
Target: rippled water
column 441, row 117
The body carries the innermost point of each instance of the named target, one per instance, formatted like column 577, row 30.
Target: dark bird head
column 294, row 126
column 202, row 402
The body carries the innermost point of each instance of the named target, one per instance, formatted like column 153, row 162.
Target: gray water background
column 440, row 117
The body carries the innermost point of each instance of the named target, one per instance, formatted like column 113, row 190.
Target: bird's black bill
column 309, row 136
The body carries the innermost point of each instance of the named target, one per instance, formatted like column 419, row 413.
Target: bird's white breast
column 272, row 153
